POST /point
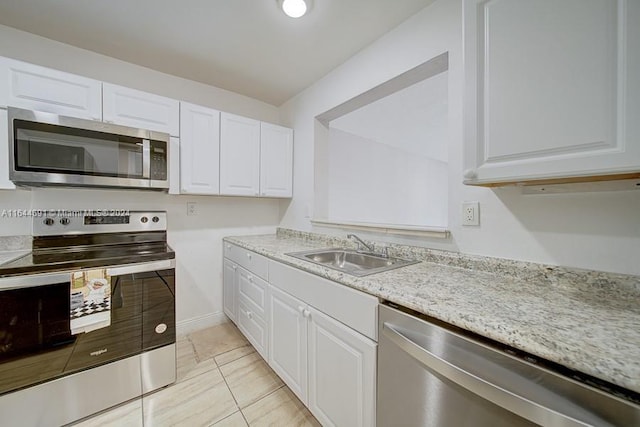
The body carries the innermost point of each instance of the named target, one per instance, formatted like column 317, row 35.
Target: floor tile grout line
column 234, row 349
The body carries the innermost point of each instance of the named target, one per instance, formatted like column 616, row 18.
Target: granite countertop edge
column 454, row 294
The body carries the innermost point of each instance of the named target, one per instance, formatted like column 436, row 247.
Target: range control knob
column 144, row 219
column 48, row 221
column 65, row 221
column 155, row 219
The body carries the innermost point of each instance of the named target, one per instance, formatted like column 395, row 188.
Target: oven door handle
column 142, row 268
column 32, row 280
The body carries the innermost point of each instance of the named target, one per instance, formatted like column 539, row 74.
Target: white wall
column 38, row 50
column 599, row 231
column 413, row 119
column 197, row 240
column 377, row 183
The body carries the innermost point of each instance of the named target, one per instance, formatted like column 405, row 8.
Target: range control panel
column 58, row 222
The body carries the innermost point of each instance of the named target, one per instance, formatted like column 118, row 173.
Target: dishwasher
column 436, row 375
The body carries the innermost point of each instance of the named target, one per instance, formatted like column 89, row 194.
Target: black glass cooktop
column 59, row 254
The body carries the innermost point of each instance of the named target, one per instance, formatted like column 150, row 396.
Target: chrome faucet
column 359, row 242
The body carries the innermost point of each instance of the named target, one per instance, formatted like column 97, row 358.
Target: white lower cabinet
column 342, row 372
column 229, row 285
column 252, row 315
column 329, row 366
column 288, row 338
column 317, row 335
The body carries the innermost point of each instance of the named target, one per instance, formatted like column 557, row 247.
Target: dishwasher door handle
column 474, row 383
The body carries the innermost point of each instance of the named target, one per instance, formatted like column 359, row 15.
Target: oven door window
column 41, row 147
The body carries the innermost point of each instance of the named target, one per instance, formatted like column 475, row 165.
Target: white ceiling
column 245, row 46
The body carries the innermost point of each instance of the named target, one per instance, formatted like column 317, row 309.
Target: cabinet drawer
column 252, row 326
column 253, row 262
column 254, row 291
column 355, row 309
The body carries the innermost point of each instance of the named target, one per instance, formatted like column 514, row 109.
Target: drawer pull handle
column 306, row 313
column 249, row 315
column 249, row 256
column 250, row 278
column 235, row 267
column 301, row 309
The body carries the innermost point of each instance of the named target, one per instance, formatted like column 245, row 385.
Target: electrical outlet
column 470, row 213
column 191, row 209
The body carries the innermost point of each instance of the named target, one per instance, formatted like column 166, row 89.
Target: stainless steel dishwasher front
column 430, row 375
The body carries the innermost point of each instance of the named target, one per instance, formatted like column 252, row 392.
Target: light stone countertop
column 14, row 247
column 585, row 320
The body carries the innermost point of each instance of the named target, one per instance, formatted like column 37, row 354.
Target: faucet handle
column 384, row 251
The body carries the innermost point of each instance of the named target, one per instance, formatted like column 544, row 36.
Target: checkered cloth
column 91, row 307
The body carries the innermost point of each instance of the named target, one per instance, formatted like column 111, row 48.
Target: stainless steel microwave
column 48, row 149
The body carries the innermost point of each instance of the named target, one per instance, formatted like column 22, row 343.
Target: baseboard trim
column 186, row 326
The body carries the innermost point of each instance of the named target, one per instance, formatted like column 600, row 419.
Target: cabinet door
column 239, row 155
column 130, row 107
column 276, row 161
column 5, row 182
column 174, row 165
column 199, row 149
column 32, row 87
column 342, row 372
column 552, row 89
column 229, row 289
column 288, row 340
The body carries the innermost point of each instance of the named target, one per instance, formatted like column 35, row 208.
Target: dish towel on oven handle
column 90, row 298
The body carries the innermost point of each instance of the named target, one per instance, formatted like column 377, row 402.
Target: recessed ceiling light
column 295, row 8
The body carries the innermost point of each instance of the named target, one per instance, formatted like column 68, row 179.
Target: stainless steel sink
column 350, row 261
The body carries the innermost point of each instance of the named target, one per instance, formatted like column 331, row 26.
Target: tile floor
column 222, row 382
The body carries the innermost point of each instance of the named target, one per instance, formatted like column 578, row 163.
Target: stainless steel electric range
column 87, row 319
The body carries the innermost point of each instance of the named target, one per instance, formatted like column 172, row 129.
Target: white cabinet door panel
column 229, row 289
column 239, row 155
column 38, row 88
column 131, row 107
column 342, row 372
column 276, row 161
column 5, row 182
column 551, row 89
column 174, row 165
column 200, row 149
column 288, row 340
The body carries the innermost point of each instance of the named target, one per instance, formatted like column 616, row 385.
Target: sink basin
column 350, row 261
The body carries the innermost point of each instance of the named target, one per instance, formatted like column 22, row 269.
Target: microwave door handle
column 146, row 158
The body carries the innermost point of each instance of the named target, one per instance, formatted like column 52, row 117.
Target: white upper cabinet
column 276, row 161
column 199, row 149
column 38, row 88
column 552, row 90
column 130, row 107
column 239, row 155
column 5, row 182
